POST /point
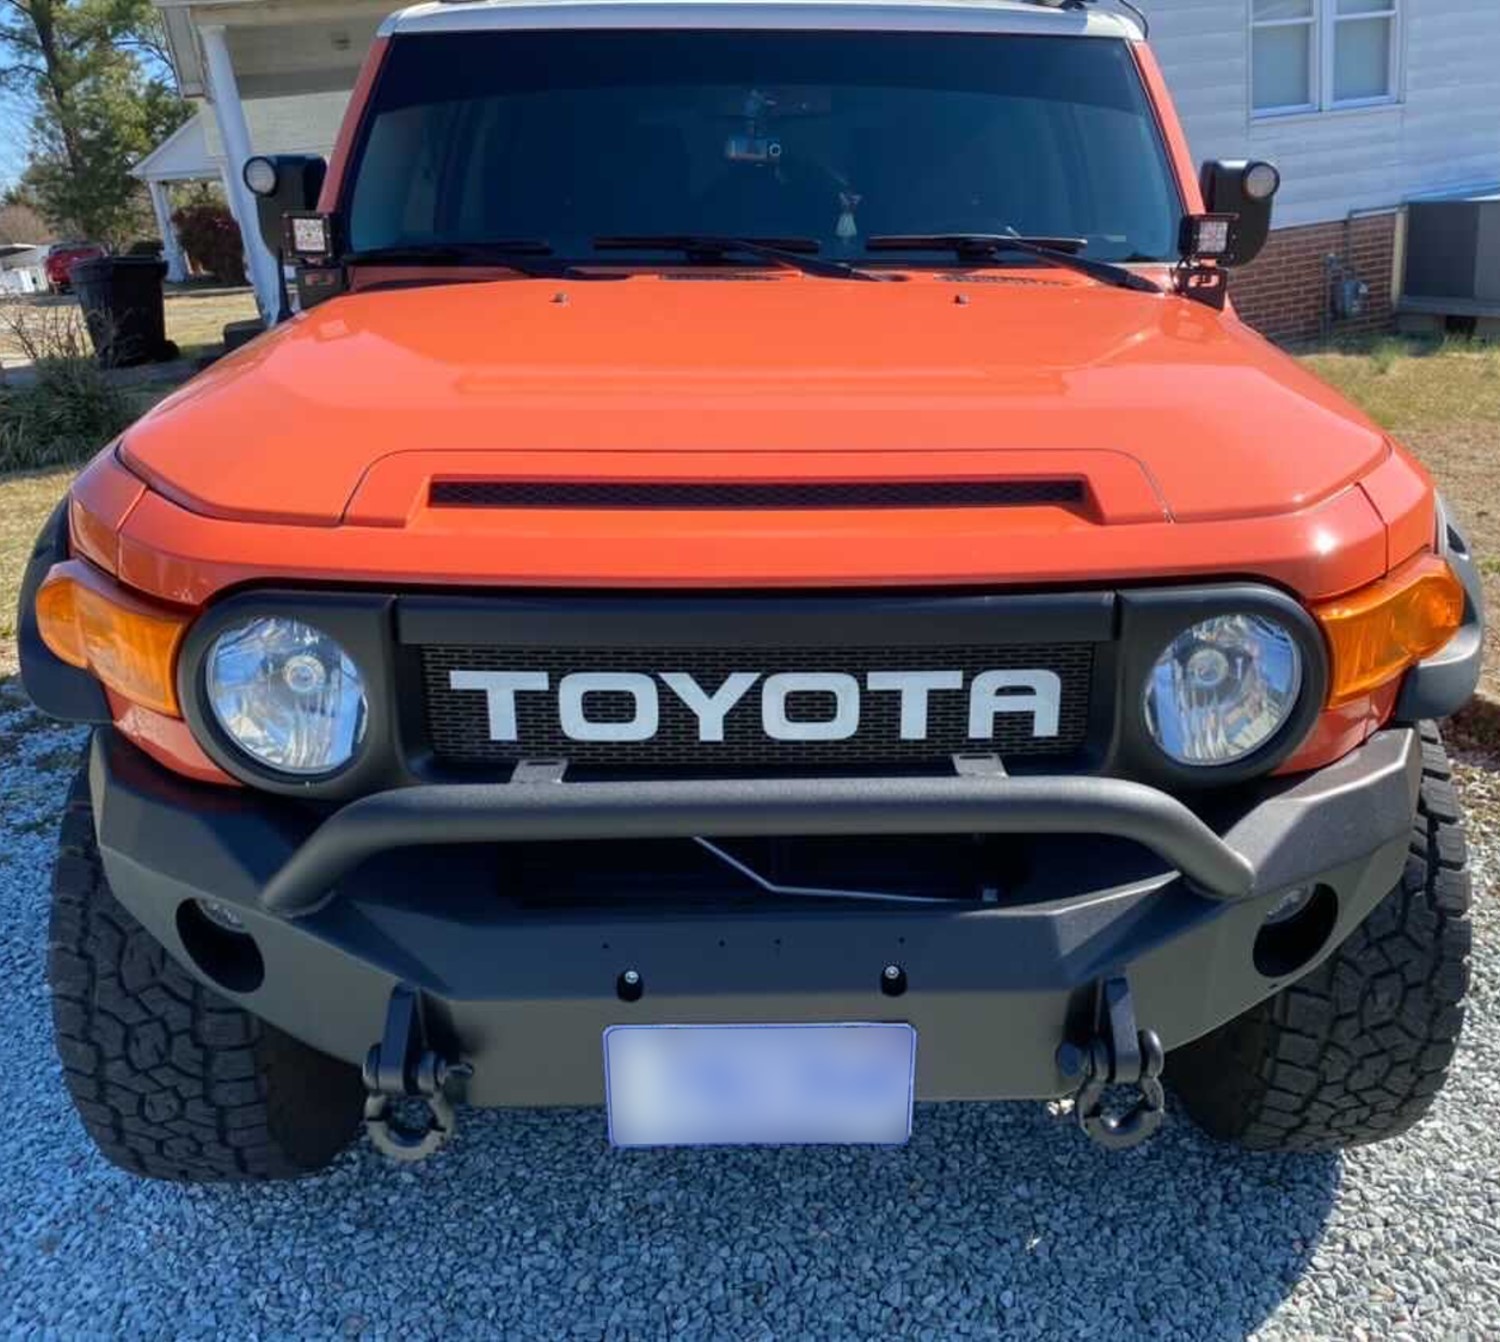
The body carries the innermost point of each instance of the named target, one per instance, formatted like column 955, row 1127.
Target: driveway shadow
column 997, row 1221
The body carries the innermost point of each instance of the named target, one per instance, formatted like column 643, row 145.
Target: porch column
column 171, row 249
column 224, row 93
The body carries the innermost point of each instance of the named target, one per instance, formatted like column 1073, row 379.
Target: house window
column 1315, row 55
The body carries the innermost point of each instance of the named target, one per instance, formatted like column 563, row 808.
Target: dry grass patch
column 1412, row 384
column 25, row 502
column 1442, row 400
column 196, row 317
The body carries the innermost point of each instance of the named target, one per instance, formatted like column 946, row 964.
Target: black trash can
column 122, row 304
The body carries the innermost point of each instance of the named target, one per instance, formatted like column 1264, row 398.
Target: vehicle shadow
column 997, row 1221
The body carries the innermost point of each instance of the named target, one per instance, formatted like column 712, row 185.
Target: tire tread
column 172, row 1080
column 1356, row 1051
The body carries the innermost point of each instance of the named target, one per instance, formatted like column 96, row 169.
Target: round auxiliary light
column 287, row 695
column 1260, row 181
column 1222, row 689
column 260, row 175
column 221, row 915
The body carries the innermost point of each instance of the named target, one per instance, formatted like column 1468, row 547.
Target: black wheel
column 1356, row 1051
column 172, row 1080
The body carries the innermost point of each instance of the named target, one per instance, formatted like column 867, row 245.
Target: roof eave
column 1001, row 16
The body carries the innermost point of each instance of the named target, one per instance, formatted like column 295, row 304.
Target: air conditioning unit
column 1453, row 253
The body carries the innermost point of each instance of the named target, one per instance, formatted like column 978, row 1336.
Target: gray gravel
column 998, row 1220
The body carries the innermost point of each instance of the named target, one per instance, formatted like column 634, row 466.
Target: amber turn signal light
column 1374, row 634
column 131, row 646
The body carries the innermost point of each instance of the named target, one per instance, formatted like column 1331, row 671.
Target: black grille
column 459, row 726
column 735, row 495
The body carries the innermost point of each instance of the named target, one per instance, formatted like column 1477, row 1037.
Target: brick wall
column 1283, row 293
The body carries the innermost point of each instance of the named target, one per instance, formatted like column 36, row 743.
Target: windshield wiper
column 790, row 253
column 986, row 246
column 506, row 252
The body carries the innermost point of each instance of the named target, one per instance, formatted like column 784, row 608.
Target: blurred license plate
column 699, row 1085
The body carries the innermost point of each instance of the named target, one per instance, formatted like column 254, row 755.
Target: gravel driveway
column 998, row 1220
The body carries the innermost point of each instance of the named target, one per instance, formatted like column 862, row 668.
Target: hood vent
column 979, row 277
column 719, row 495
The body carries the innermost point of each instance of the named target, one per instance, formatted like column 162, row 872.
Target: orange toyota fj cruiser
column 764, row 581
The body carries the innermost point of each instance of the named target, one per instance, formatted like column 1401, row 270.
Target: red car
column 62, row 257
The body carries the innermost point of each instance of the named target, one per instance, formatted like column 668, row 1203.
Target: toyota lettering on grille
column 836, row 717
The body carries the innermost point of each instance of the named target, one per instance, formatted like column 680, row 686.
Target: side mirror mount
column 1237, row 195
column 1241, row 189
column 283, row 184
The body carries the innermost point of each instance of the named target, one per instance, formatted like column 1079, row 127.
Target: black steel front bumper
column 523, row 990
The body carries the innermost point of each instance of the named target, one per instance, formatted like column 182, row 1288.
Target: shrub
column 210, row 236
column 44, row 331
column 65, row 416
column 68, row 409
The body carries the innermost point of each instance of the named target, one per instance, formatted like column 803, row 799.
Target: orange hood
column 1168, row 410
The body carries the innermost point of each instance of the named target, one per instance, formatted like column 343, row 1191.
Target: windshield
column 831, row 138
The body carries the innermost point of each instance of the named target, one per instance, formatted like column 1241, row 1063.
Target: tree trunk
column 54, row 78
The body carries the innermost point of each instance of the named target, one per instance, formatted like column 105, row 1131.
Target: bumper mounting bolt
column 893, row 980
column 629, row 986
column 1073, row 1064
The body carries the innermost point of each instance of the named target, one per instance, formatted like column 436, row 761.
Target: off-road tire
column 1356, row 1051
column 172, row 1080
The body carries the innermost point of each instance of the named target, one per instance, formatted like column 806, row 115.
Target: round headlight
column 1222, row 689
column 287, row 695
column 260, row 175
column 1260, row 181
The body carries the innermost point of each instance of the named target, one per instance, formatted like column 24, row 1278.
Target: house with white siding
column 23, row 268
column 1364, row 105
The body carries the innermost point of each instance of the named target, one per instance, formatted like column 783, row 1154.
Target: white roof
column 304, row 123
column 182, row 157
column 965, row 16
